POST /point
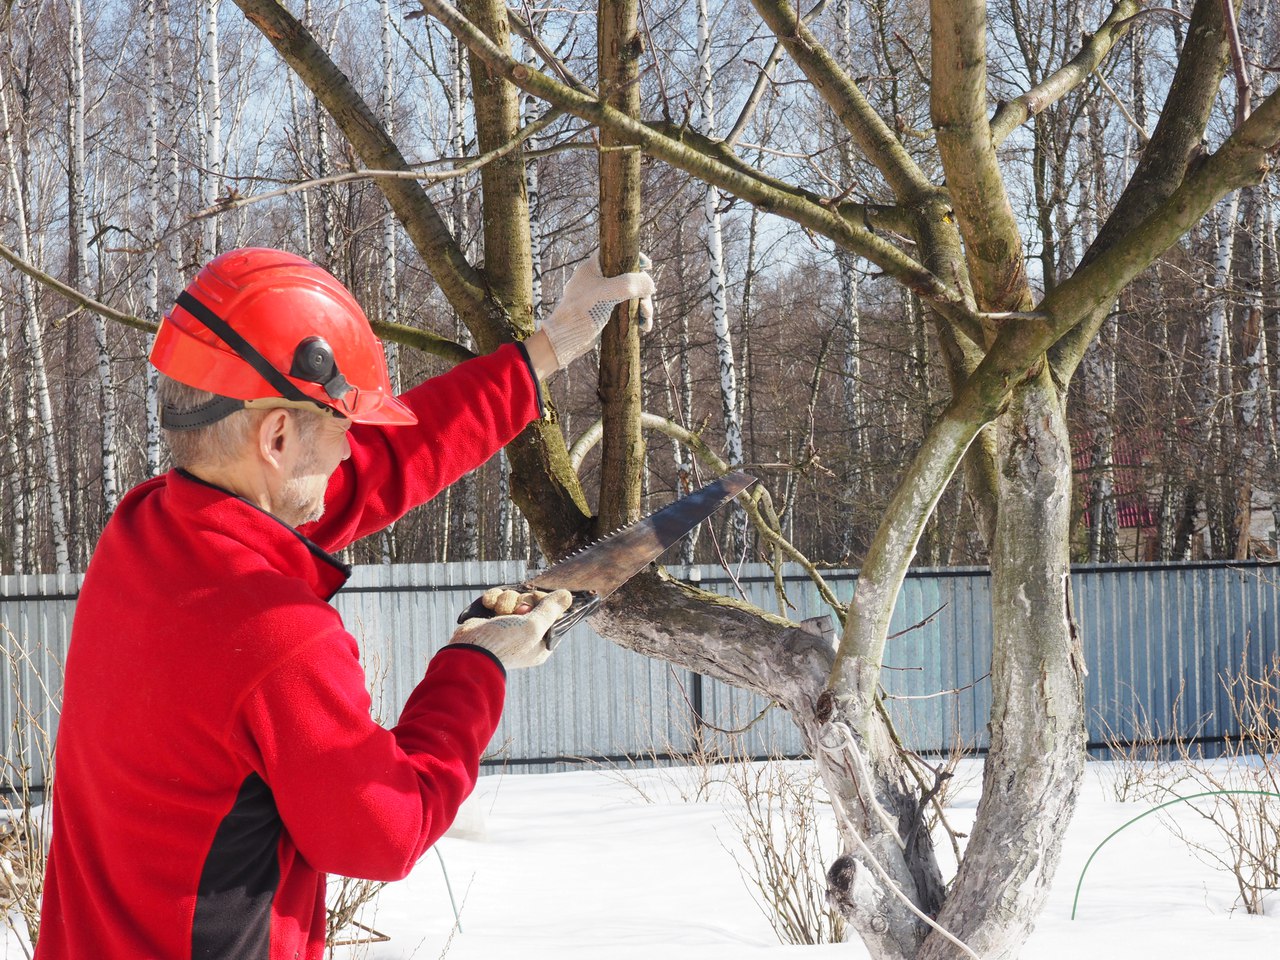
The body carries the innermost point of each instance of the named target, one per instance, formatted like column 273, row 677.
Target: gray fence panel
column 35, row 624
column 1155, row 639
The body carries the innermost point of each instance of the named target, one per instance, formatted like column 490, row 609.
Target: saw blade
column 605, row 565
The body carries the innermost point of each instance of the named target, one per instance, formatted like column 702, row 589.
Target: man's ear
column 274, row 438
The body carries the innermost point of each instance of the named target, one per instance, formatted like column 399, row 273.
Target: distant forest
column 140, row 138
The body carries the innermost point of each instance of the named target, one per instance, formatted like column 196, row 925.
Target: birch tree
column 40, row 417
column 155, row 180
column 713, row 241
column 79, row 206
column 211, row 128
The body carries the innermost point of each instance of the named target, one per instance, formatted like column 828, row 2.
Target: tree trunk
column 154, row 178
column 13, row 556
column 713, row 246
column 212, row 130
column 1036, row 758
column 1214, row 401
column 40, row 396
column 622, row 452
column 79, row 207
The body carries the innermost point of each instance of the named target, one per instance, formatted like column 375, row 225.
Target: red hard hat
column 258, row 323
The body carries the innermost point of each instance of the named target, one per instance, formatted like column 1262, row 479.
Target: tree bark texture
column 623, row 453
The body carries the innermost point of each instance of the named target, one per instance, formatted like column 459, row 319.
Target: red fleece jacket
column 216, row 755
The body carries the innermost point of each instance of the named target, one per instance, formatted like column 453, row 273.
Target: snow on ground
column 582, row 865
column 631, row 866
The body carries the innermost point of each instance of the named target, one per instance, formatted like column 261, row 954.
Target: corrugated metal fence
column 1154, row 636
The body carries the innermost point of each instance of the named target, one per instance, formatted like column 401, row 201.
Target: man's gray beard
column 298, row 504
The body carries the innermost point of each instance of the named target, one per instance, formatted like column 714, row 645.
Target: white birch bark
column 212, row 141
column 390, row 291
column 35, row 345
column 849, row 317
column 1255, row 387
column 1271, row 328
column 171, row 184
column 324, row 167
column 17, row 538
column 714, row 246
column 80, row 260
column 1213, row 401
column 1099, row 363
column 300, row 124
column 154, row 179
column 1271, row 331
column 1213, row 343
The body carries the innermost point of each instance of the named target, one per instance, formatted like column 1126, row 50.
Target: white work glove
column 588, row 300
column 516, row 640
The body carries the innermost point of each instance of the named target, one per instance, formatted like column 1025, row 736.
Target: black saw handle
column 584, row 603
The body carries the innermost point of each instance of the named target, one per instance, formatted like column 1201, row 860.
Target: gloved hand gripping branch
column 588, row 301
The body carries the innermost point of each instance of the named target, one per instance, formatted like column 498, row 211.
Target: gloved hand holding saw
column 514, row 638
column 589, row 298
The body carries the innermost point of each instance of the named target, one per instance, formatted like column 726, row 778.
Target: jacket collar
column 282, row 546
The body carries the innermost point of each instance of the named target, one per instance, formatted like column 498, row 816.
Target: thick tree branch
column 958, row 98
column 1174, row 144
column 461, row 283
column 874, row 216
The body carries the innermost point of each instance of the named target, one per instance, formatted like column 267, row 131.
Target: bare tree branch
column 1013, row 113
column 461, row 283
column 74, row 295
column 684, row 154
column 237, row 201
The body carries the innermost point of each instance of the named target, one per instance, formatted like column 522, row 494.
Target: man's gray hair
column 223, row 440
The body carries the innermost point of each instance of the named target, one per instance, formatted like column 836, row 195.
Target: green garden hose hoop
column 1195, row 796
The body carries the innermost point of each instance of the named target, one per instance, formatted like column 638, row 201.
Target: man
column 216, row 756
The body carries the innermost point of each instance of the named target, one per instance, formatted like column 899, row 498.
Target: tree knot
column 840, row 877
column 825, row 708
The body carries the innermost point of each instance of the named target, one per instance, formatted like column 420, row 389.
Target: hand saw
column 600, row 568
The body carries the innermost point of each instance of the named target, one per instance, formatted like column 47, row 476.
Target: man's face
column 323, row 445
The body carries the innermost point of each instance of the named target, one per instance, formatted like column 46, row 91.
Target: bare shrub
column 1146, row 763
column 26, row 770
column 779, row 822
column 1244, row 805
column 346, row 899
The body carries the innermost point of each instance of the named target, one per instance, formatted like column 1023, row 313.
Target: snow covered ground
column 631, row 866
column 604, row 864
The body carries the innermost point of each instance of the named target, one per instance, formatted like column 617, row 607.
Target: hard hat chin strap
column 242, row 347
